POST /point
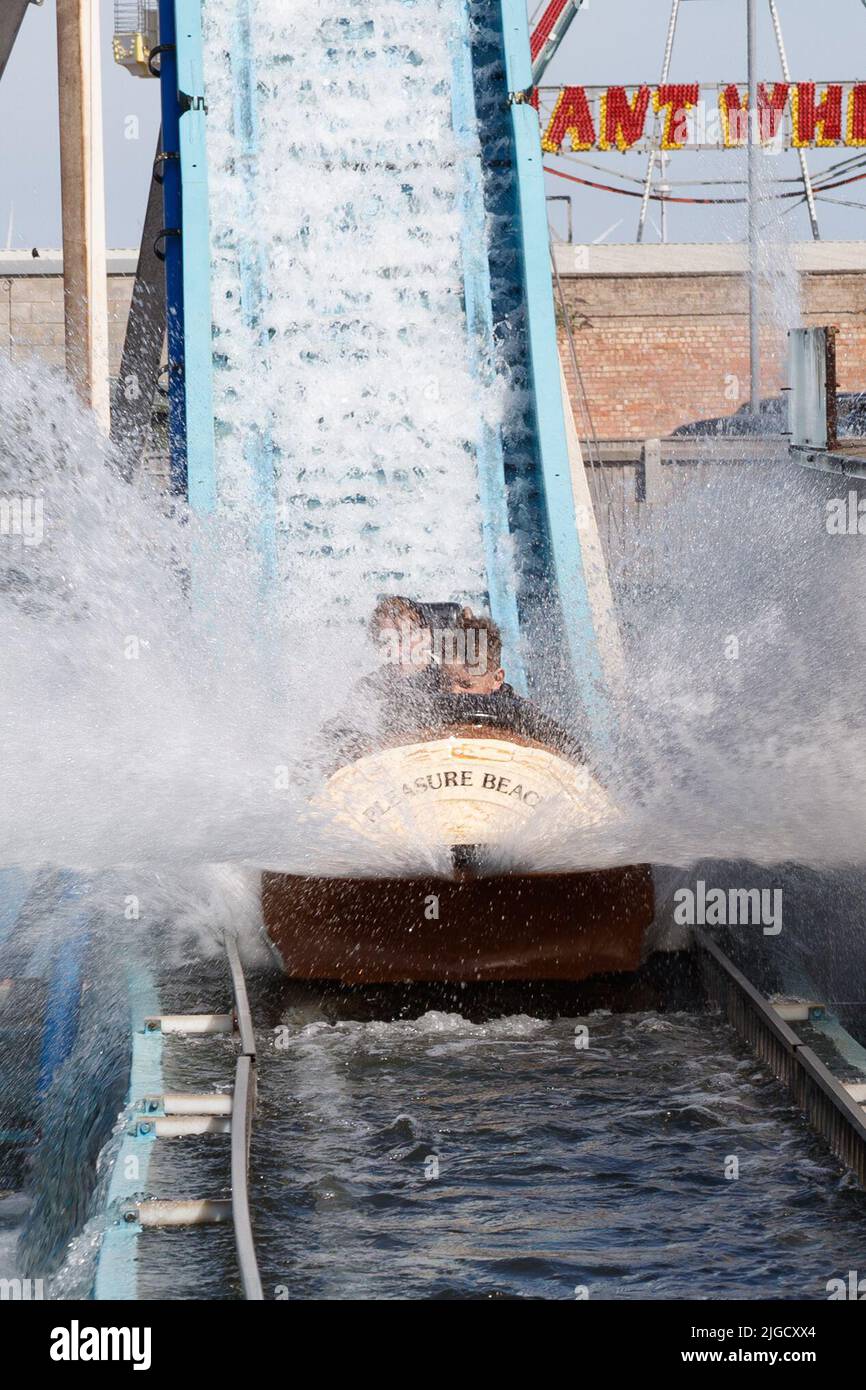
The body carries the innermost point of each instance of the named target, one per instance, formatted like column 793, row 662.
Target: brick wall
column 659, row 350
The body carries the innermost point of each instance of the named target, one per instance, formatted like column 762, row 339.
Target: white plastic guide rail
column 177, row 1115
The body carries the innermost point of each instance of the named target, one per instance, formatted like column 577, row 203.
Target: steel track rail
column 243, row 1109
column 825, row 1103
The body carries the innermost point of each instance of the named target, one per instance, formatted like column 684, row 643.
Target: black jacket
column 386, row 706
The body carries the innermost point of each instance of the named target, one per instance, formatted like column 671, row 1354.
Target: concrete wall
column 661, row 332
column 31, row 305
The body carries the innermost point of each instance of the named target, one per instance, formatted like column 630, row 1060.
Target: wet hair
column 392, row 609
column 479, row 622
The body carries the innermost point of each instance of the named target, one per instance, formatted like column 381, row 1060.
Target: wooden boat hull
column 467, row 790
column 510, row 927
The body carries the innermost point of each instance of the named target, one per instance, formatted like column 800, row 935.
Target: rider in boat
column 445, row 720
column 396, row 697
column 440, row 667
column 475, row 690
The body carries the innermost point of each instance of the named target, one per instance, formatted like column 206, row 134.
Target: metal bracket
column 161, row 158
column 160, row 48
column 188, row 103
column 160, row 236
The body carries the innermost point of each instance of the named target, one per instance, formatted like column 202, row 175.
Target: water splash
column 339, row 329
column 141, row 732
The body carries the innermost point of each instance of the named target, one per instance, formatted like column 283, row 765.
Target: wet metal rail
column 174, row 1116
column 243, row 1109
column 835, row 1111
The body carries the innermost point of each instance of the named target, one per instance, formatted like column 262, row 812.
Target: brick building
column 662, row 334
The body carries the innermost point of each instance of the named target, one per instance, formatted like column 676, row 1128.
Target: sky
column 622, row 41
column 30, row 160
column 610, row 41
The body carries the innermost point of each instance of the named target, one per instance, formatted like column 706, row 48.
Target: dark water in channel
column 438, row 1158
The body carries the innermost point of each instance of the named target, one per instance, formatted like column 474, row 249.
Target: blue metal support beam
column 116, row 1270
column 195, row 259
column 186, row 249
column 170, row 243
column 568, row 575
column 501, row 587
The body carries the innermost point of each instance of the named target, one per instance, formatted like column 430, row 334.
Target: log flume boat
column 468, row 786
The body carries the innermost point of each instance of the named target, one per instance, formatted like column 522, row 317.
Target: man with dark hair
column 478, row 692
column 430, row 680
column 401, row 631
column 474, row 665
column 397, row 698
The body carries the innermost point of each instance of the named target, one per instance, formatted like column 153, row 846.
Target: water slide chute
column 536, row 575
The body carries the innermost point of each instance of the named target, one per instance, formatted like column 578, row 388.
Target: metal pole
column 666, row 67
column 548, row 34
column 804, row 165
column 85, row 290
column 753, row 153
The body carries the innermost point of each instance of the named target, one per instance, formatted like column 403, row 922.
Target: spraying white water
column 172, row 744
column 150, row 722
column 139, row 730
column 339, row 330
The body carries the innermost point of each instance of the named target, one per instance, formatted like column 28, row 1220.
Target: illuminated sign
column 698, row 116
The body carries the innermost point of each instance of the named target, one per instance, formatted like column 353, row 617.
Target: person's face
column 462, row 680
